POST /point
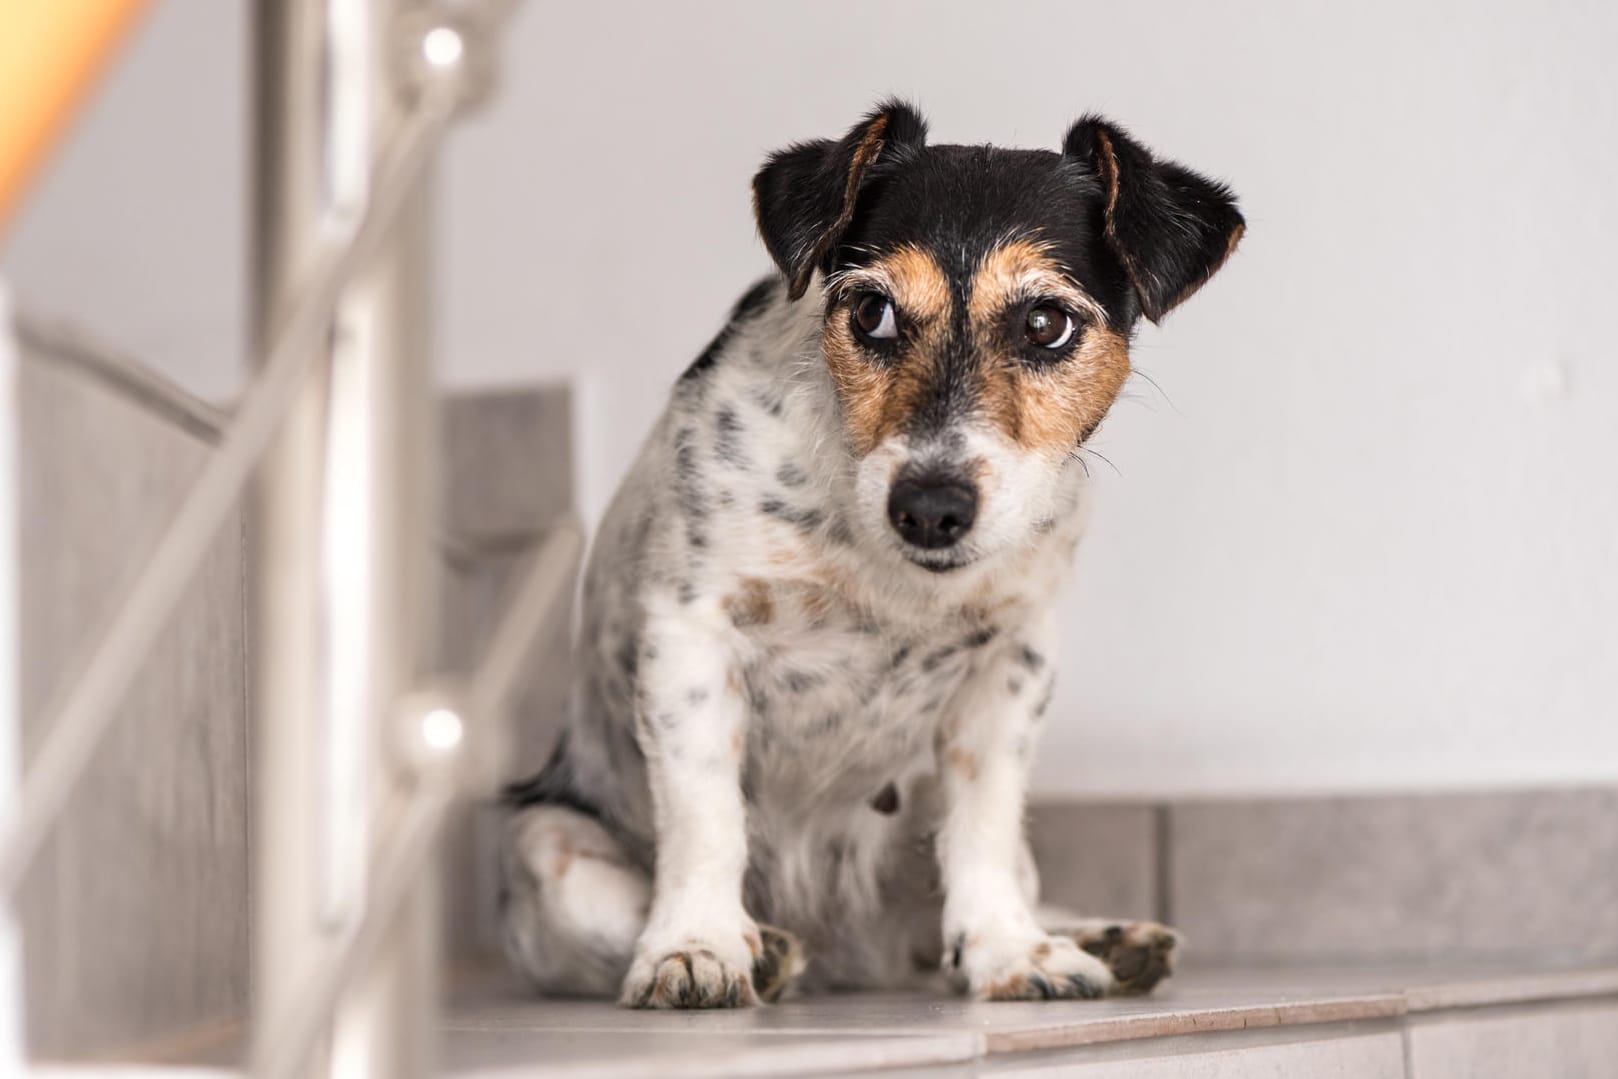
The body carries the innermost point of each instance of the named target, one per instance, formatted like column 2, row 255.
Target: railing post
column 12, row 1017
column 342, row 574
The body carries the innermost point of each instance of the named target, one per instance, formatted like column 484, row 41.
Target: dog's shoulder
column 764, row 293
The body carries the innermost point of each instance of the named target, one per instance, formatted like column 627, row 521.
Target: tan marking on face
column 964, row 762
column 879, row 395
column 733, row 684
column 1016, row 272
column 751, row 606
column 1053, row 407
column 1045, row 409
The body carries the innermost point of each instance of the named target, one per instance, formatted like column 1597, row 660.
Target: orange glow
column 50, row 55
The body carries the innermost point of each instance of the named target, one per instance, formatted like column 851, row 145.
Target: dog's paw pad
column 777, row 962
column 1139, row 954
column 690, row 978
column 1048, row 968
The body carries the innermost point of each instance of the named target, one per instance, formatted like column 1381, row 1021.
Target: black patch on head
column 958, row 203
column 1136, row 234
column 1171, row 228
column 980, row 638
column 790, row 475
column 752, row 302
column 933, row 660
column 886, row 801
column 806, row 196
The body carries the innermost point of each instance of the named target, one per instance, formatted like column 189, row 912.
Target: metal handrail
column 412, row 828
column 83, row 707
column 283, row 1050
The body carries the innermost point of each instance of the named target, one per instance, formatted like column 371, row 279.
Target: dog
column 816, row 641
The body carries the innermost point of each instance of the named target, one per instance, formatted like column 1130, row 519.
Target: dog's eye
column 1048, row 327
column 874, row 317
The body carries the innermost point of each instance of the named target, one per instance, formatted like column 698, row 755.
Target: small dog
column 816, row 642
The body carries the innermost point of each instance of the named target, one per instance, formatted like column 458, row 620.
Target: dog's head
column 978, row 308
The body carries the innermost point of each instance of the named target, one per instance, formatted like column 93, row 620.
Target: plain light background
column 1363, row 530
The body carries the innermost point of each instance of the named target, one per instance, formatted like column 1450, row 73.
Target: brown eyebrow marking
column 879, row 398
column 1022, row 270
column 1049, row 408
column 908, row 276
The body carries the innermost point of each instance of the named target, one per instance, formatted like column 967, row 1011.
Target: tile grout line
column 1406, row 1047
column 1162, row 868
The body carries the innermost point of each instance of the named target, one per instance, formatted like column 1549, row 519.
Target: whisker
column 1161, row 391
column 1104, row 457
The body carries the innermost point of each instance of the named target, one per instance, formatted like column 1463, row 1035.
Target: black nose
column 932, row 512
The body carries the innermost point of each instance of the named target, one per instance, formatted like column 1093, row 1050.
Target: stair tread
column 495, row 1026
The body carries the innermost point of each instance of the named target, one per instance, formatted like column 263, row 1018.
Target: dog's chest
column 843, row 700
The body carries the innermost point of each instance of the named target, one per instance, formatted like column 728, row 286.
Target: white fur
column 736, row 745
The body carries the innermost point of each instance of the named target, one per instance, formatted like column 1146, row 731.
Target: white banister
column 353, row 97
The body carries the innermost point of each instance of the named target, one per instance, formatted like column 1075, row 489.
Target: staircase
column 190, row 798
column 1432, row 936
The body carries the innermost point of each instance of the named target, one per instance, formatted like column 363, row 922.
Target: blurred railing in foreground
column 359, row 752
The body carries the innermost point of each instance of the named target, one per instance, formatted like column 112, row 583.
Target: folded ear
column 804, row 196
column 1171, row 228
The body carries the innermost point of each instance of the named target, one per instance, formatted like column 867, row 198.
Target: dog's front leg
column 699, row 944
column 993, row 947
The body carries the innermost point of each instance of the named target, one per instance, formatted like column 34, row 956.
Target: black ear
column 1171, row 228
column 804, row 196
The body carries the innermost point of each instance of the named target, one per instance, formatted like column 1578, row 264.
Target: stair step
column 1414, row 1022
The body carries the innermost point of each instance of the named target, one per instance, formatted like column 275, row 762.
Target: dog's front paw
column 1027, row 966
column 706, row 970
column 1139, row 954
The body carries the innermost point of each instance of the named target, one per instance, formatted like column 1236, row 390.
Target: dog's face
column 978, row 304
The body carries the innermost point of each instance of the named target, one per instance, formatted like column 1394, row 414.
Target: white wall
column 1366, row 535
